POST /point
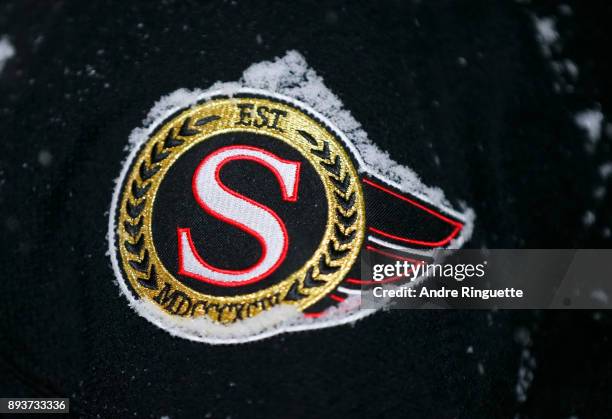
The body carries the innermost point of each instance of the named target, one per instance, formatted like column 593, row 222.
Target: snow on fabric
column 288, row 76
column 7, row 51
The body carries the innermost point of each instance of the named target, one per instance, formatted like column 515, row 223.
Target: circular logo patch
column 237, row 205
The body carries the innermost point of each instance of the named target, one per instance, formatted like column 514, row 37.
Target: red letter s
column 247, row 215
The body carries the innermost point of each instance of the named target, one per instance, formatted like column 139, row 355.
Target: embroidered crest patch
column 245, row 213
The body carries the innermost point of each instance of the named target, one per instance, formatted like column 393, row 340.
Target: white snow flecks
column 605, row 170
column 174, row 100
column 590, row 121
column 7, row 51
column 567, row 68
column 525, row 375
column 599, row 192
column 571, row 68
column 522, row 336
column 480, row 368
column 547, row 34
column 565, row 10
column 45, row 158
column 566, row 72
column 527, row 364
column 549, row 39
column 588, row 219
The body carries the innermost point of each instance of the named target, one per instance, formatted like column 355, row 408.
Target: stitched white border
column 281, row 318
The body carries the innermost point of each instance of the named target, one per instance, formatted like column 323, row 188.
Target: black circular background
column 221, row 244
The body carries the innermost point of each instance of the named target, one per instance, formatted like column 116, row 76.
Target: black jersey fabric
column 457, row 90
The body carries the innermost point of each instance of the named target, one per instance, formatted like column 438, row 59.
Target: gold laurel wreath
column 347, row 234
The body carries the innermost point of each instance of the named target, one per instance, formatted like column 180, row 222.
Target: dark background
column 86, row 73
